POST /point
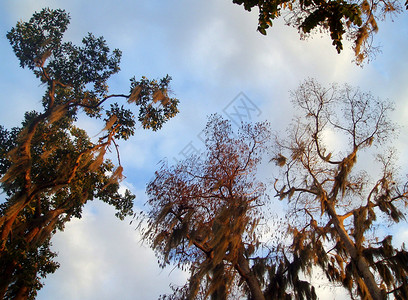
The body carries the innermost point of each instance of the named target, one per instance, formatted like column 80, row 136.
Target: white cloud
column 326, row 289
column 401, row 235
column 103, row 258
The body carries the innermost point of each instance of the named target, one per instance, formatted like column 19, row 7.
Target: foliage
column 355, row 20
column 335, row 206
column 50, row 167
column 204, row 214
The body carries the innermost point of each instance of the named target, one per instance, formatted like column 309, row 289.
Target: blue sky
column 213, row 52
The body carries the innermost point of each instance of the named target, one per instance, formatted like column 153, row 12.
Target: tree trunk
column 245, row 271
column 22, row 293
column 5, row 278
column 5, row 231
column 7, row 220
column 360, row 262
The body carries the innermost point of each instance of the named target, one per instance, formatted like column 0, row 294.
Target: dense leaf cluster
column 354, row 20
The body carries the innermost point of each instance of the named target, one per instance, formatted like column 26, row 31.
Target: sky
column 218, row 63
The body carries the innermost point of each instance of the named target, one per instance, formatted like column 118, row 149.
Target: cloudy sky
column 218, row 62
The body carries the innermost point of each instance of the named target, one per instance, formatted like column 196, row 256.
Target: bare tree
column 205, row 214
column 203, row 211
column 335, row 206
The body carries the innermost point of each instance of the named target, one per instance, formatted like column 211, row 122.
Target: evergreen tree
column 50, row 167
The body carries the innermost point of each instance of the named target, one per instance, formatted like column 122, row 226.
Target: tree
column 204, row 214
column 355, row 20
column 50, row 167
column 335, row 207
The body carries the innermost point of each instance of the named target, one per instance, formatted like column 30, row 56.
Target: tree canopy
column 356, row 21
column 50, row 167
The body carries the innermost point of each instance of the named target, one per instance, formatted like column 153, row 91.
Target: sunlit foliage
column 50, row 167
